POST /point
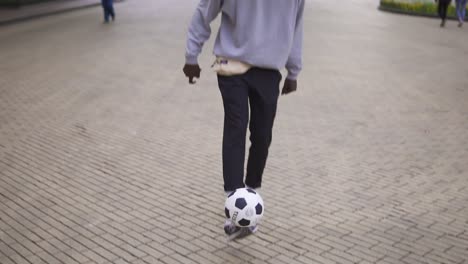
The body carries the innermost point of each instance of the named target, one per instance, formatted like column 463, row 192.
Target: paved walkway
column 25, row 12
column 107, row 155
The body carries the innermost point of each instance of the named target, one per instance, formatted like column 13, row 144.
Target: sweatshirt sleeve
column 199, row 30
column 294, row 63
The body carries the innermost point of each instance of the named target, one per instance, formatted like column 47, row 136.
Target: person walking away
column 256, row 39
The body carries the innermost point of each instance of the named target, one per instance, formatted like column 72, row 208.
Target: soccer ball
column 244, row 207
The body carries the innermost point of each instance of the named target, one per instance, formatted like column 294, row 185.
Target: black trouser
column 259, row 88
column 442, row 8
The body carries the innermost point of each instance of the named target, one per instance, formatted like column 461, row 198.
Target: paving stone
column 107, row 155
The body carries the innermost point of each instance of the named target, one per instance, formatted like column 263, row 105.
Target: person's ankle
column 252, row 188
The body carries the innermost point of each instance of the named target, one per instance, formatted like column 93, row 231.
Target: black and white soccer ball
column 244, row 207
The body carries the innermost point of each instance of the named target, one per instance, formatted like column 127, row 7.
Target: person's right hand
column 192, row 71
column 289, row 86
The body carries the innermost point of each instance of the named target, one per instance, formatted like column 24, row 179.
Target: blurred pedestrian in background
column 108, row 6
column 461, row 11
column 442, row 10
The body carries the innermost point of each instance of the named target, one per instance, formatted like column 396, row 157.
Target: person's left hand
column 289, row 86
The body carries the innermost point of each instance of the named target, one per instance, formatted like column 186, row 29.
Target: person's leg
column 111, row 9
column 439, row 8
column 106, row 10
column 234, row 91
column 444, row 6
column 463, row 9
column 263, row 97
column 444, row 10
column 459, row 11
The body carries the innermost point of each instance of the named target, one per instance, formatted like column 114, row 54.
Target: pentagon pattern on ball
column 259, row 209
column 241, row 203
column 251, row 191
column 244, row 222
column 226, row 211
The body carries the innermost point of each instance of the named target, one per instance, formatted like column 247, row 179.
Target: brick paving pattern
column 31, row 11
column 107, row 155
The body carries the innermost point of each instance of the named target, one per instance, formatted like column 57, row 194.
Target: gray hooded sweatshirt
column 262, row 33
